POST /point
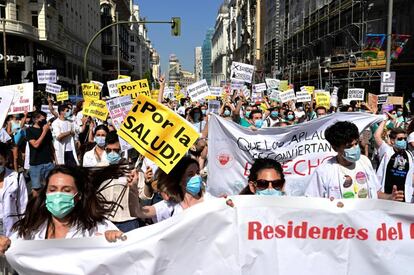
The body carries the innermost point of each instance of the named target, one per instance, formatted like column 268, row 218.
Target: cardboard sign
column 323, row 99
column 46, row 76
column 257, row 96
column 62, row 96
column 157, row 132
column 242, row 72
column 346, row 101
column 372, row 101
column 118, row 109
column 303, row 97
column 216, row 91
column 123, row 76
column 274, row 95
column 287, row 96
column 334, row 97
column 272, row 83
column 356, row 94
column 5, row 101
column 91, row 91
column 259, row 88
column 395, row 100
column 236, row 85
column 382, row 99
column 53, row 88
column 113, row 86
column 100, row 84
column 154, row 94
column 135, row 88
column 214, row 107
column 22, row 99
column 198, row 90
column 45, row 108
column 308, row 89
column 95, row 108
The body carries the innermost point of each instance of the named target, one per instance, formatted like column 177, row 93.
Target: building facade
column 220, row 47
column 46, row 34
column 198, row 63
column 187, row 78
column 174, row 70
column 206, row 50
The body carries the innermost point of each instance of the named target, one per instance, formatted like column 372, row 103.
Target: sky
column 196, row 17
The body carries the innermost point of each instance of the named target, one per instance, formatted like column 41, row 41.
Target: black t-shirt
column 397, row 170
column 43, row 153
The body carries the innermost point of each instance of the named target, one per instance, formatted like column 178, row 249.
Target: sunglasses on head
column 264, row 184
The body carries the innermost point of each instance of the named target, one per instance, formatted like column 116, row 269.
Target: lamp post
column 175, row 26
column 4, row 49
column 389, row 34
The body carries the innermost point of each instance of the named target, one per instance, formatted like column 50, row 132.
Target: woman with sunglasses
column 266, row 178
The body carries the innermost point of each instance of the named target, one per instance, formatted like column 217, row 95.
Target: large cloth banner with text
column 299, row 148
column 260, row 235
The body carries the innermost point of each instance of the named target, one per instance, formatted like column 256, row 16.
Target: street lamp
column 175, row 25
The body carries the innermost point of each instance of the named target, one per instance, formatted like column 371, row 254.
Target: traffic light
column 176, row 26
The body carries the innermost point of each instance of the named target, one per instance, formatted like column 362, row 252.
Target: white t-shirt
column 61, row 126
column 90, row 159
column 332, row 180
column 4, row 136
column 73, row 232
column 410, row 137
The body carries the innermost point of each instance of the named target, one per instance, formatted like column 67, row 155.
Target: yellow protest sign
column 95, row 108
column 283, row 85
column 309, row 89
column 395, row 100
column 177, row 87
column 157, row 132
column 62, row 96
column 134, row 88
column 323, row 99
column 154, row 94
column 123, row 76
column 91, row 91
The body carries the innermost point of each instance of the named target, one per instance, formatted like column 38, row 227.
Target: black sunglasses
column 401, row 138
column 108, row 150
column 264, row 184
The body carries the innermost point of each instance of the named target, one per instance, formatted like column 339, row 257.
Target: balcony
column 20, row 28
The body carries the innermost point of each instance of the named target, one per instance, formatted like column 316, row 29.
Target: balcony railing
column 18, row 27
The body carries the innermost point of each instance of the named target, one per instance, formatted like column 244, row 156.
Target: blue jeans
column 128, row 225
column 38, row 174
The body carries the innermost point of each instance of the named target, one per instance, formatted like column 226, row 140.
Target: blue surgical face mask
column 352, row 154
column 60, row 204
column 247, row 114
column 401, row 144
column 290, row 117
column 204, row 112
column 100, row 141
column 258, row 123
column 274, row 114
column 270, row 192
column 113, row 157
column 227, row 112
column 196, row 117
column 399, row 113
column 194, row 185
column 68, row 114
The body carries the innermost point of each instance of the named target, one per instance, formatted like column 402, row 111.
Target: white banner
column 198, row 90
column 272, row 83
column 53, row 88
column 260, row 235
column 5, row 100
column 356, row 94
column 303, row 97
column 119, row 108
column 113, row 86
column 46, row 76
column 216, row 91
column 23, row 97
column 260, row 87
column 287, row 95
column 300, row 148
column 242, row 72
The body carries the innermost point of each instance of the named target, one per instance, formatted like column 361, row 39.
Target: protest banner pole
column 85, row 65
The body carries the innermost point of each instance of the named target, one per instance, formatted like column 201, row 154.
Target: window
column 17, row 12
column 2, row 8
column 132, row 50
column 34, row 19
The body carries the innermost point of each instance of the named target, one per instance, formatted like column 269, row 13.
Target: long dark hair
column 87, row 213
column 171, row 183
